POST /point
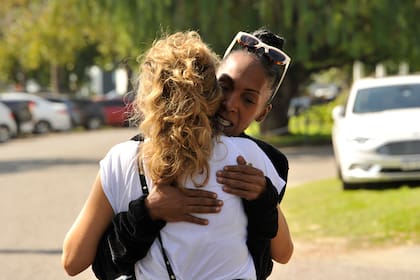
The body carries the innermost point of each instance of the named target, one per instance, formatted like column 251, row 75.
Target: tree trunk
column 54, row 78
column 58, row 79
column 277, row 120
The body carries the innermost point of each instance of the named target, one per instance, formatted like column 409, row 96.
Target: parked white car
column 47, row 115
column 8, row 127
column 376, row 134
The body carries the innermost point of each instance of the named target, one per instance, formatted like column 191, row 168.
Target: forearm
column 78, row 251
column 262, row 227
column 262, row 213
column 81, row 241
column 282, row 245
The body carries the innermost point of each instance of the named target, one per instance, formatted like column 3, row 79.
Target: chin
column 230, row 132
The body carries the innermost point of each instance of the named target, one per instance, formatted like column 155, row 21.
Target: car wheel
column 93, row 123
column 42, row 127
column 4, row 134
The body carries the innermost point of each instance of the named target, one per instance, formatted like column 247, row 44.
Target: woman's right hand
column 173, row 204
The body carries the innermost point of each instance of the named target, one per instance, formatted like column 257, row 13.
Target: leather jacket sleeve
column 262, row 227
column 127, row 240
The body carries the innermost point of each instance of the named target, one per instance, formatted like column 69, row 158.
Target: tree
column 67, row 35
column 40, row 33
column 322, row 33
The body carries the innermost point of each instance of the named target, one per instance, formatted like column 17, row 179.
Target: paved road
column 44, row 181
column 308, row 164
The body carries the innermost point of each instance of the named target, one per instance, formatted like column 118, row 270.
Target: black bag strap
column 165, row 257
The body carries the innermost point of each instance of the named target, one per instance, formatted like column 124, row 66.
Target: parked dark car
column 117, row 111
column 8, row 126
column 22, row 113
column 72, row 107
column 91, row 113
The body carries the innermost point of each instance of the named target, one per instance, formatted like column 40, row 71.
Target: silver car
column 376, row 134
column 47, row 115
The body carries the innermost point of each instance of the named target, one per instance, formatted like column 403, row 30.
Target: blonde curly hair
column 177, row 99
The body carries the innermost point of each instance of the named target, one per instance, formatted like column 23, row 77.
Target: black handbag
column 103, row 266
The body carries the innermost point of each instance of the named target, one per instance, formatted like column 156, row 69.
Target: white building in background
column 96, row 80
column 121, row 81
column 108, row 82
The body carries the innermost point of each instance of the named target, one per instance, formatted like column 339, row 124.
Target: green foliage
column 319, row 34
column 297, row 139
column 316, row 120
column 312, row 127
column 322, row 210
column 254, row 130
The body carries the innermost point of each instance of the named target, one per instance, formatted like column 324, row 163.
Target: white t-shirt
column 215, row 251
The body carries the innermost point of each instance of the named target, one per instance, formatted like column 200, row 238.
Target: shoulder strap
column 145, row 191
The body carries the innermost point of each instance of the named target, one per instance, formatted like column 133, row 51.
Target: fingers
column 243, row 193
column 203, row 206
column 247, row 189
column 199, row 193
column 196, row 220
column 241, row 180
column 203, row 209
column 200, row 201
column 241, row 160
column 243, row 168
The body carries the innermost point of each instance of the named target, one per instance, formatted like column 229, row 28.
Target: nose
column 230, row 101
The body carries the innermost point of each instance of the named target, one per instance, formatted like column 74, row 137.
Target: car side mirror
column 338, row 112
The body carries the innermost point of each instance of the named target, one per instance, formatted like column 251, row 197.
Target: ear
column 264, row 113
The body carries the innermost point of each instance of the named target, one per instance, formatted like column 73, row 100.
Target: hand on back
column 172, row 204
column 242, row 180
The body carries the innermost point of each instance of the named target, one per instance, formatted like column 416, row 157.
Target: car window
column 387, row 98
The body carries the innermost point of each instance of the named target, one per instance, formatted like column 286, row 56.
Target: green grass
column 312, row 127
column 297, row 139
column 363, row 218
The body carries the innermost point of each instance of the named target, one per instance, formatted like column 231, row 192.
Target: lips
column 223, row 122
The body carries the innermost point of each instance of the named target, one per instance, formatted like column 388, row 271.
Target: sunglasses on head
column 254, row 44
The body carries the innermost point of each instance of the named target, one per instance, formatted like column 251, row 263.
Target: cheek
column 247, row 116
column 250, row 110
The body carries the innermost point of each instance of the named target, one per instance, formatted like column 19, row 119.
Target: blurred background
column 68, row 67
column 89, row 48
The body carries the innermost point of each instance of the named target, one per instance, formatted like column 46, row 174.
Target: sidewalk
column 323, row 262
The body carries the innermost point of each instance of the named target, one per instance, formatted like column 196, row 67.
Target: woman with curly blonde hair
column 177, row 101
column 178, row 97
